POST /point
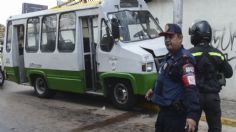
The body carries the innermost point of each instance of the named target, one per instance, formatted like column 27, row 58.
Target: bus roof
column 58, row 9
column 106, row 6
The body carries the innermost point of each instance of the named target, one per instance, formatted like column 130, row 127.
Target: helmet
column 200, row 32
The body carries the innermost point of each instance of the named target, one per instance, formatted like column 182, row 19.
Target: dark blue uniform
column 176, row 93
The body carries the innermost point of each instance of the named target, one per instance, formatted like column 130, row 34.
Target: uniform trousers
column 210, row 104
column 170, row 120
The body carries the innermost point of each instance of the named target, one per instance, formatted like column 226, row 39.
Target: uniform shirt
column 214, row 63
column 170, row 87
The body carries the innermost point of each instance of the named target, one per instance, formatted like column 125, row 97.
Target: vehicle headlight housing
column 148, row 67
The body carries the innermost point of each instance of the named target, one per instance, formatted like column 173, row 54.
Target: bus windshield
column 135, row 25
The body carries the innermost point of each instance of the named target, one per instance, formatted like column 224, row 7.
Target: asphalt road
column 22, row 111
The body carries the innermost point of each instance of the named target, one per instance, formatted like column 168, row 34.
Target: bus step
column 94, row 93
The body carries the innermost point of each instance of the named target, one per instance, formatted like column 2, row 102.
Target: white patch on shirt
column 189, row 69
column 191, row 80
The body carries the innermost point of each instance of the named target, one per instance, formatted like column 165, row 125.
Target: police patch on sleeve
column 191, row 80
column 188, row 76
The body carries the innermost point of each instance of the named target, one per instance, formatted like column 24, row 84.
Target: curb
column 154, row 108
column 150, row 106
column 224, row 121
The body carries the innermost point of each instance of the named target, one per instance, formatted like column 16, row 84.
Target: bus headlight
column 148, row 67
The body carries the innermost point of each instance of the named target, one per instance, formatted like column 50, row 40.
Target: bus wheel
column 41, row 88
column 122, row 95
column 2, row 77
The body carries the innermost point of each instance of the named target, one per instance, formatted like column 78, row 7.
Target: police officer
column 175, row 89
column 211, row 68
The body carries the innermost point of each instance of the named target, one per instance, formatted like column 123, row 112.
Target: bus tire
column 41, row 88
column 122, row 95
column 2, row 77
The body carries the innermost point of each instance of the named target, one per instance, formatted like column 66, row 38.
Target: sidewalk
column 4, row 128
column 228, row 109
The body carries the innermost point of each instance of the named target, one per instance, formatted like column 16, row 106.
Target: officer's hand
column 190, row 125
column 149, row 94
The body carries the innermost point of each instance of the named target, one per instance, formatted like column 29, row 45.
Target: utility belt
column 176, row 106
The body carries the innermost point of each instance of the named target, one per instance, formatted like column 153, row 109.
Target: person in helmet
column 175, row 90
column 211, row 68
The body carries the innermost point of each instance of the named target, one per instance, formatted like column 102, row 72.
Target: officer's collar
column 178, row 53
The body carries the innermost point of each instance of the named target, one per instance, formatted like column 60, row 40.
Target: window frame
column 59, row 31
column 27, row 48
column 104, row 21
column 8, row 48
column 41, row 33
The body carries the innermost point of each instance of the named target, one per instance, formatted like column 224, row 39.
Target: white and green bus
column 104, row 47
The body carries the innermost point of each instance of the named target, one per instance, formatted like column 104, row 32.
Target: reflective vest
column 208, row 61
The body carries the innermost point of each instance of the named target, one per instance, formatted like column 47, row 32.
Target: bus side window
column 49, row 27
column 20, row 33
column 106, row 42
column 67, row 25
column 32, row 40
column 9, row 36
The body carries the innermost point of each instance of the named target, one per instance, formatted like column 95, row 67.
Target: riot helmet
column 200, row 32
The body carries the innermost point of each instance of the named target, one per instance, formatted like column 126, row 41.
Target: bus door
column 89, row 31
column 19, row 41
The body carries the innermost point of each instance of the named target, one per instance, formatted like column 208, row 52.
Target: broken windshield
column 135, row 25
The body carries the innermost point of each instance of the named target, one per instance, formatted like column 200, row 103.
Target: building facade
column 220, row 14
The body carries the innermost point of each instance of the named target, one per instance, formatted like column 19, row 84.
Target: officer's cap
column 171, row 29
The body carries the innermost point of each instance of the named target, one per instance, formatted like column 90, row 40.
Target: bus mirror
column 107, row 31
column 115, row 28
column 106, row 43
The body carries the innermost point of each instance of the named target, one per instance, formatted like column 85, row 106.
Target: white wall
column 221, row 14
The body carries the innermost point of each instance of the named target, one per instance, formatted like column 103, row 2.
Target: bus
column 110, row 48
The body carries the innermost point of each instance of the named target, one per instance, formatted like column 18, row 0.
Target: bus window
column 9, row 36
column 49, row 28
column 135, row 25
column 67, row 32
column 106, row 42
column 32, row 35
column 20, row 36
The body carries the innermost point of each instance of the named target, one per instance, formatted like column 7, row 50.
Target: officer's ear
column 180, row 36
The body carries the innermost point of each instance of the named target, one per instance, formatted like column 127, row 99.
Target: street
column 22, row 111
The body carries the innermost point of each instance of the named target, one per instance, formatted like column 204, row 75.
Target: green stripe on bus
column 140, row 82
column 63, row 80
column 12, row 73
column 75, row 81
